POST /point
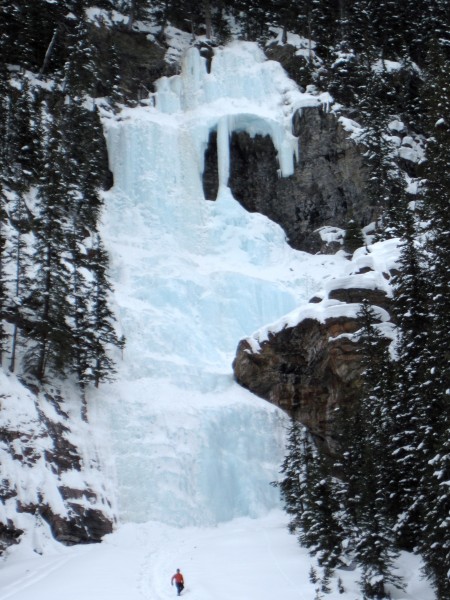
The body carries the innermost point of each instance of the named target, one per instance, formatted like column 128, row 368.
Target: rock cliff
column 307, row 370
column 45, row 475
column 327, row 188
column 309, row 364
column 330, row 182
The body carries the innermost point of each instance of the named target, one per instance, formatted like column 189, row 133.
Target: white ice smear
column 192, row 278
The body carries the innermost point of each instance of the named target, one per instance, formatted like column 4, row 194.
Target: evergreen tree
column 80, row 69
column 186, row 15
column 435, row 24
column 435, row 539
column 322, row 532
column 18, row 165
column 307, row 489
column 8, row 31
column 29, row 27
column 436, row 381
column 325, row 20
column 4, row 103
column 4, row 180
column 413, row 19
column 24, row 150
column 375, row 547
column 92, row 321
column 389, row 28
column 344, row 74
column 365, row 434
column 362, row 31
column 350, row 426
column 103, row 335
column 114, row 85
column 385, row 184
column 27, row 42
column 285, row 13
column 411, row 309
column 294, row 470
column 49, row 298
column 255, row 16
column 353, row 238
column 21, row 283
column 138, row 10
column 437, row 195
column 79, row 315
column 4, row 295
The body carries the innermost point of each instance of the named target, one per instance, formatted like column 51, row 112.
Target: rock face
column 303, row 372
column 309, row 370
column 44, row 475
column 140, row 62
column 327, row 188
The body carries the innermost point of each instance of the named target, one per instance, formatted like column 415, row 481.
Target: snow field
column 243, row 559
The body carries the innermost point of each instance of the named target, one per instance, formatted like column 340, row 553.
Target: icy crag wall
column 192, row 278
column 243, row 92
column 186, row 458
column 189, row 273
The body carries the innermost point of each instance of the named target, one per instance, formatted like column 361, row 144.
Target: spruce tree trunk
column 2, row 287
column 207, row 15
column 49, row 52
column 131, row 14
column 12, row 363
column 45, row 318
column 84, row 408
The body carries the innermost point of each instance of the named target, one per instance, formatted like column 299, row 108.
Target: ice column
column 223, row 150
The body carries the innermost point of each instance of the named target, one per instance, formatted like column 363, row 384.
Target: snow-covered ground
column 189, row 454
column 244, row 559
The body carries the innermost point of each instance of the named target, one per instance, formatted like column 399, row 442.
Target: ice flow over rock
column 191, row 278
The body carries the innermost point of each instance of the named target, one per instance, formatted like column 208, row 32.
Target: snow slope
column 189, row 454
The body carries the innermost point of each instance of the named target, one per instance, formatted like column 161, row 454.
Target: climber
column 179, row 581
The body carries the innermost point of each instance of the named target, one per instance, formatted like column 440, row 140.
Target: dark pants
column 180, row 587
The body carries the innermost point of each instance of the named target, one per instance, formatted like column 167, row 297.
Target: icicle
column 223, row 151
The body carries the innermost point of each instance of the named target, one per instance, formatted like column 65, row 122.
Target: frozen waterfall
column 192, row 277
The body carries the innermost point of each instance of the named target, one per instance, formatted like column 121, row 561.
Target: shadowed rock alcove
column 253, row 170
column 327, row 188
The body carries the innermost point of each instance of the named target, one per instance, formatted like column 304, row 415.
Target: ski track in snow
column 32, row 577
column 244, row 559
column 234, row 561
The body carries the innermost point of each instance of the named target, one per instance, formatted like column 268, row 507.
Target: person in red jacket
column 179, row 581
